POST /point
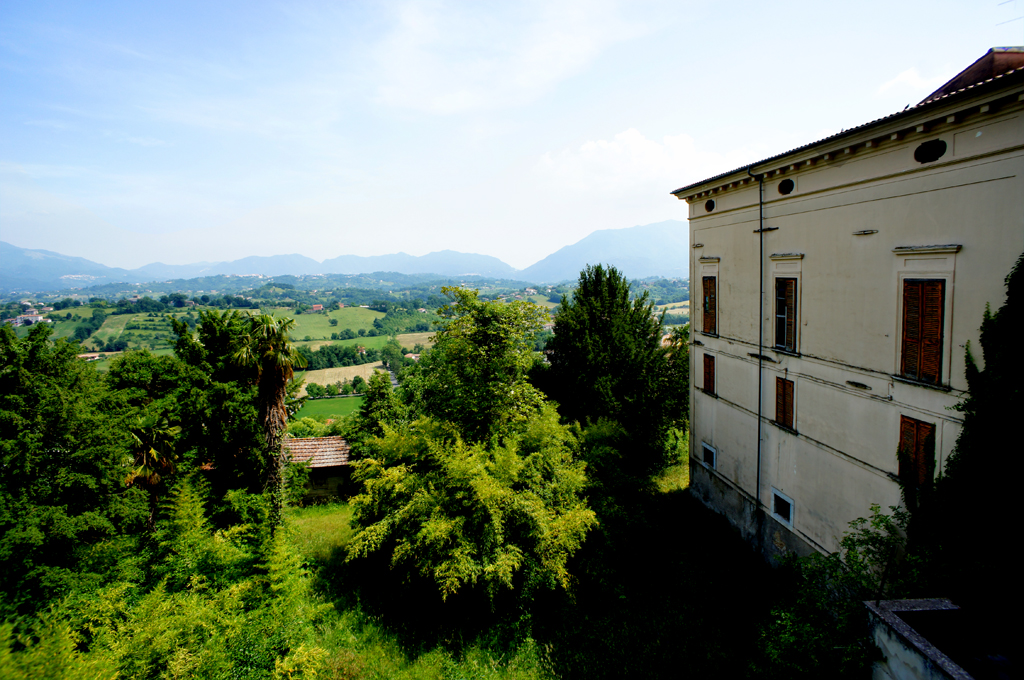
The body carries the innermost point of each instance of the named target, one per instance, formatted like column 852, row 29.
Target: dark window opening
column 784, row 402
column 917, row 452
column 785, row 314
column 930, row 151
column 923, row 307
column 782, row 508
column 710, row 316
column 709, row 456
column 709, row 374
column 709, row 205
column 786, row 187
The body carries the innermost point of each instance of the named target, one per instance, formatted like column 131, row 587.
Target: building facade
column 836, row 288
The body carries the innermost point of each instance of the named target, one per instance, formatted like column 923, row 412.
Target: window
column 708, row 455
column 784, row 402
column 916, row 452
column 710, row 305
column 785, row 314
column 709, row 374
column 923, row 304
column 782, row 507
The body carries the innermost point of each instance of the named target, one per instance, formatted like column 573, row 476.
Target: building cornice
column 927, row 118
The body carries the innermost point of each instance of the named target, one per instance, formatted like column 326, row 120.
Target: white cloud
column 447, row 58
column 912, row 80
column 629, row 162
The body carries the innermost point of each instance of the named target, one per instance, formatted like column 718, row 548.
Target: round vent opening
column 710, row 205
column 786, row 187
column 930, row 151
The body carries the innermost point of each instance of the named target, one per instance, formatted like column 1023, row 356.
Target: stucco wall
column 848, row 399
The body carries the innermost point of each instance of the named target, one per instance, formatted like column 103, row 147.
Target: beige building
column 835, row 288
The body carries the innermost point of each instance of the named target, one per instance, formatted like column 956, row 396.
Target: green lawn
column 318, row 327
column 330, row 408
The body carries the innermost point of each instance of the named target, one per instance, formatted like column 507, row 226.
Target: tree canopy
column 484, row 488
column 608, row 362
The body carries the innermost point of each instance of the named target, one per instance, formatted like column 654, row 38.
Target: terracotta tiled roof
column 319, row 451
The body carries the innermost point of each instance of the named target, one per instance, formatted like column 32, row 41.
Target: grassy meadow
column 318, row 326
column 332, row 407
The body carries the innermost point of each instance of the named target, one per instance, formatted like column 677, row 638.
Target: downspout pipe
column 760, row 323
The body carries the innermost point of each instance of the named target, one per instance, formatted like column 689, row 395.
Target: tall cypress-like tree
column 608, row 362
column 969, row 525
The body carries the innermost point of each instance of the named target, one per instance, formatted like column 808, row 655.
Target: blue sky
column 178, row 132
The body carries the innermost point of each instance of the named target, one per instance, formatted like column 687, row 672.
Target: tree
column 485, row 488
column 975, row 562
column 380, row 406
column 66, row 517
column 455, row 515
column 358, row 384
column 266, row 347
column 607, row 361
column 475, row 376
column 392, row 355
column 314, row 391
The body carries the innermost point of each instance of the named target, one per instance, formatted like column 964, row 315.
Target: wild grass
column 360, row 646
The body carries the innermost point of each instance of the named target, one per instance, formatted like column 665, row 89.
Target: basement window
column 782, row 507
column 709, row 455
column 709, row 205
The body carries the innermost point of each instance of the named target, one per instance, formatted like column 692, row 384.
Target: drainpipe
column 760, row 322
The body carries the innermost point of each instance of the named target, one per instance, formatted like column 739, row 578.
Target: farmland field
column 328, row 376
column 335, row 407
column 542, row 301
column 318, row 326
column 675, row 307
column 407, row 340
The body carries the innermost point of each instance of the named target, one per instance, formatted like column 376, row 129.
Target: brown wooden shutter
column 923, row 307
column 933, row 298
column 784, row 402
column 710, row 305
column 709, row 374
column 917, row 451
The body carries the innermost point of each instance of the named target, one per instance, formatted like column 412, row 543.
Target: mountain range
column 659, row 249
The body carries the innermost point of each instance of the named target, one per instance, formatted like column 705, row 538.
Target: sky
column 179, row 132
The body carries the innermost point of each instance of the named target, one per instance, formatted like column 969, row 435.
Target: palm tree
column 266, row 347
column 153, row 456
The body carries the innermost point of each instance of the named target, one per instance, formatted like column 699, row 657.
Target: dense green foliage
column 608, row 362
column 484, row 487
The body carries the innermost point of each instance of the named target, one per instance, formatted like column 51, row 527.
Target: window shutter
column 917, row 451
column 780, row 401
column 784, row 402
column 911, row 362
column 788, row 403
column 710, row 305
column 923, row 305
column 932, row 305
column 709, row 374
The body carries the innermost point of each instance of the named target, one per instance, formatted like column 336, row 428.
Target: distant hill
column 660, row 249
column 651, row 250
column 36, row 270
